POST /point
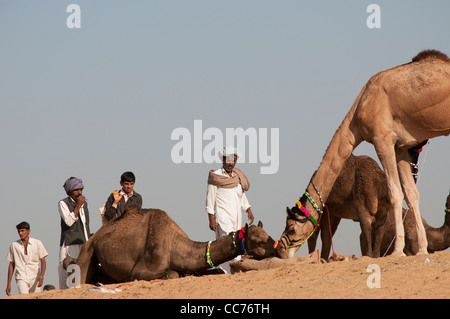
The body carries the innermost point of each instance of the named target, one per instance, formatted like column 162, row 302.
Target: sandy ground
column 399, row 277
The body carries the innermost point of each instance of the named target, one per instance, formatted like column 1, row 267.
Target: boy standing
column 24, row 256
column 126, row 197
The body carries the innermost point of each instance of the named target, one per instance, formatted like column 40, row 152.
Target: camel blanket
column 229, row 182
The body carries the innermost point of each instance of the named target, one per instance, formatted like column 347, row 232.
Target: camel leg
column 87, row 262
column 312, row 241
column 334, row 225
column 143, row 271
column 365, row 222
column 325, row 234
column 411, row 197
column 172, row 274
column 151, row 267
column 378, row 233
column 386, row 154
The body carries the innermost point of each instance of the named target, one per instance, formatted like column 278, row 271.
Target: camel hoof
column 171, row 274
column 398, row 254
column 422, row 252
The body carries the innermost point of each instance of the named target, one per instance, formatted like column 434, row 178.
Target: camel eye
column 291, row 230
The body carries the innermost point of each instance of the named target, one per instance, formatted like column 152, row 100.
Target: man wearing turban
column 226, row 199
column 74, row 224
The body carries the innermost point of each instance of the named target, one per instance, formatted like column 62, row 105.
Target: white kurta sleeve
column 67, row 216
column 211, row 199
column 244, row 202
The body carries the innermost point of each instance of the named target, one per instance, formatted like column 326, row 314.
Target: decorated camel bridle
column 241, row 247
column 240, row 242
column 291, row 243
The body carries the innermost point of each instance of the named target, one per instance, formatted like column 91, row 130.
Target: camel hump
column 134, row 210
column 430, row 54
column 367, row 162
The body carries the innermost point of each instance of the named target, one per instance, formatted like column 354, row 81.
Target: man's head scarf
column 229, row 153
column 72, row 184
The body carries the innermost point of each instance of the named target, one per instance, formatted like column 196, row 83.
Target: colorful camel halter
column 308, row 215
column 240, row 241
column 275, row 244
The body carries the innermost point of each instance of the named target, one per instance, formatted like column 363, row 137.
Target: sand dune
column 399, row 277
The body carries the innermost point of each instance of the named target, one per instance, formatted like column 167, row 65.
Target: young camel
column 438, row 238
column 396, row 110
column 360, row 193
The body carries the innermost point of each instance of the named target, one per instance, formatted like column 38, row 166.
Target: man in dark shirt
column 126, row 197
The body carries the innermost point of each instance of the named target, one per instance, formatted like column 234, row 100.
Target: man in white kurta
column 24, row 256
column 226, row 199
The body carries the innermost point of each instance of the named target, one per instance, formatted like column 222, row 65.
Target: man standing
column 24, row 256
column 126, row 197
column 226, row 199
column 74, row 225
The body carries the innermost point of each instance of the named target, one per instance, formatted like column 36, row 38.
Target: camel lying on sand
column 147, row 244
column 251, row 264
column 360, row 193
column 247, row 264
column 438, row 238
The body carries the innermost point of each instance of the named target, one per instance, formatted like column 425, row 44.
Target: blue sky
column 97, row 101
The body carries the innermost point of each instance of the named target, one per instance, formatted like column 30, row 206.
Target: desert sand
column 424, row 276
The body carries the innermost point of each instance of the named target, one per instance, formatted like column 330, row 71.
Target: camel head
column 258, row 243
column 297, row 230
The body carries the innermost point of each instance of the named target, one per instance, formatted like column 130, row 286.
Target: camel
column 360, row 193
column 396, row 109
column 247, row 264
column 275, row 262
column 146, row 244
column 438, row 238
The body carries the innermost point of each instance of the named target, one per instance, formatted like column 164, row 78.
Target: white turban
column 229, row 152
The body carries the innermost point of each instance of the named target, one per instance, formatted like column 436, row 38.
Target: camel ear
column 260, row 224
column 288, row 211
column 246, row 229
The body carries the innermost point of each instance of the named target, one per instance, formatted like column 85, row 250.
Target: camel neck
column 438, row 238
column 344, row 141
column 226, row 248
column 191, row 255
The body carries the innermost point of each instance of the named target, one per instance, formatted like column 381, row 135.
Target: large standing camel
column 397, row 109
column 147, row 244
column 360, row 193
column 438, row 238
